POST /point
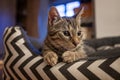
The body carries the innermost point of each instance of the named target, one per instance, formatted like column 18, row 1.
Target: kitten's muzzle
column 75, row 41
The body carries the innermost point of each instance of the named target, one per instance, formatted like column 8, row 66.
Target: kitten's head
column 64, row 33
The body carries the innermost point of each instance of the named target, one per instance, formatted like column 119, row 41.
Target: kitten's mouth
column 71, row 48
column 75, row 48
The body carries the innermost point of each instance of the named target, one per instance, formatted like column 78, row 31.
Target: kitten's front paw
column 51, row 58
column 69, row 56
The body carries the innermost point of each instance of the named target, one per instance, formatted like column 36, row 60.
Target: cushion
column 107, row 47
column 22, row 63
column 107, row 41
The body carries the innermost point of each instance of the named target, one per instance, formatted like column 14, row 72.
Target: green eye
column 66, row 33
column 79, row 33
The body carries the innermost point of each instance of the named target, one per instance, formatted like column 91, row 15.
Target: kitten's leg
column 51, row 58
column 70, row 56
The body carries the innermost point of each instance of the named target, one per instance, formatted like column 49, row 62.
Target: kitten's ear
column 79, row 15
column 53, row 16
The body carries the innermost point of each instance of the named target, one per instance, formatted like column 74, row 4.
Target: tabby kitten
column 64, row 38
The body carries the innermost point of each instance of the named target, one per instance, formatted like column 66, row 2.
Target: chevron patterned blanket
column 22, row 63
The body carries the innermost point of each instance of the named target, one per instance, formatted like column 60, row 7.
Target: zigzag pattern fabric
column 21, row 63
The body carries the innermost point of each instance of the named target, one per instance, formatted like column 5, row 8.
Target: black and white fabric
column 22, row 63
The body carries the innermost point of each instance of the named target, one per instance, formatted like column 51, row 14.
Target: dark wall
column 7, row 18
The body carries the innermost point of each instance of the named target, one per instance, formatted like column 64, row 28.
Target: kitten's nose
column 75, row 41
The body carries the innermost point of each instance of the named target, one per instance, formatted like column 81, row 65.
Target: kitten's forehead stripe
column 66, row 24
column 72, row 25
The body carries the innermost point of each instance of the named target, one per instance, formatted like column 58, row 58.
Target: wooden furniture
column 1, row 65
column 27, row 16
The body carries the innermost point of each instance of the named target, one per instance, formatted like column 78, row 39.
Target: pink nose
column 76, row 43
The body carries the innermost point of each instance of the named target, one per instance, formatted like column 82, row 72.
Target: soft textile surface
column 102, row 48
column 109, row 41
column 22, row 63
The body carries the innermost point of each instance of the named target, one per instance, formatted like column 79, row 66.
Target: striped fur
column 64, row 36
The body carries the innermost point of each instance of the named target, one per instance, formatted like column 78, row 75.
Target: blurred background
column 100, row 18
column 32, row 15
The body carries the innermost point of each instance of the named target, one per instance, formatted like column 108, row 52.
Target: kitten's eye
column 79, row 33
column 66, row 33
